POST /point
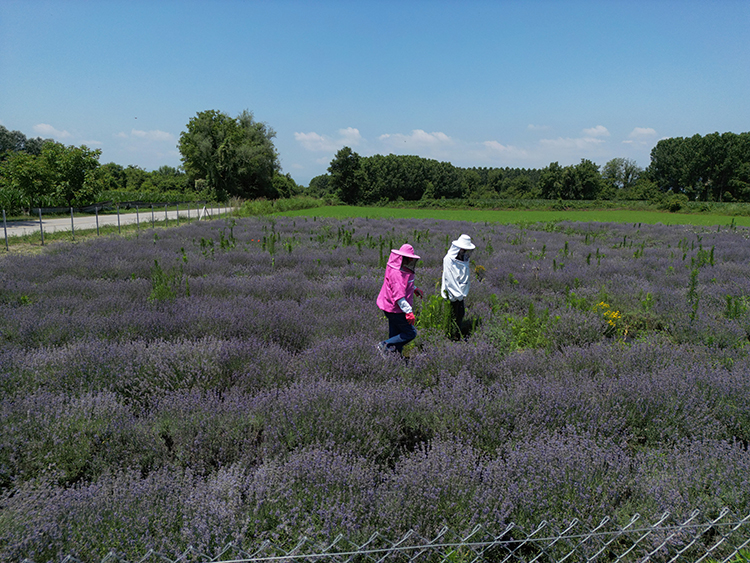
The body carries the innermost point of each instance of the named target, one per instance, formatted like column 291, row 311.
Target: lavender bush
column 234, row 393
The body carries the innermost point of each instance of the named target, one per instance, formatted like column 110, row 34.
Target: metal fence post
column 166, row 218
column 118, row 219
column 41, row 228
column 72, row 224
column 137, row 219
column 153, row 223
column 5, row 228
column 177, row 205
column 96, row 210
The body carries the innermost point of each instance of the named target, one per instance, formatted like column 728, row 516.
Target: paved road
column 143, row 217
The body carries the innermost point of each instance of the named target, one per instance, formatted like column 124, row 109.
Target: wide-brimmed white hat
column 464, row 241
column 406, row 250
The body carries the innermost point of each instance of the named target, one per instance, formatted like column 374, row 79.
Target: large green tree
column 71, row 173
column 668, row 166
column 552, row 181
column 582, row 181
column 621, row 175
column 15, row 141
column 112, row 176
column 285, row 186
column 233, row 156
column 60, row 175
column 408, row 177
column 346, row 176
column 22, row 181
column 319, row 186
column 714, row 167
column 166, row 179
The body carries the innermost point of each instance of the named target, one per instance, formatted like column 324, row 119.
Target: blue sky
column 473, row 82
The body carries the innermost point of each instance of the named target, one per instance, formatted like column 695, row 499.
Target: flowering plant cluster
column 613, row 318
column 219, row 382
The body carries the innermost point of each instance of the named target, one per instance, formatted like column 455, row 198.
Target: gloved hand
column 418, row 292
column 410, row 318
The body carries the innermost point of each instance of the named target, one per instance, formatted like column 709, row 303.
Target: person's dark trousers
column 400, row 332
column 458, row 311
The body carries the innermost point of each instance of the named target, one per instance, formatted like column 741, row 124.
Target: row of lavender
column 219, row 382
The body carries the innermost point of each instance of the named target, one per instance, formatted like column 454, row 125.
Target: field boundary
column 515, row 216
column 697, row 539
column 149, row 216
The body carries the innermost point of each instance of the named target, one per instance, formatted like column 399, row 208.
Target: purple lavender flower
column 255, row 406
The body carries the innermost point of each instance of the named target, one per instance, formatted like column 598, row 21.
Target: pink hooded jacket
column 398, row 283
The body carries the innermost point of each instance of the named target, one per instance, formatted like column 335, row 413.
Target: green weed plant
column 435, row 315
column 168, row 285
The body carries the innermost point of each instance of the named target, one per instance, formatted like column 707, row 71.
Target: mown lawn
column 513, row 216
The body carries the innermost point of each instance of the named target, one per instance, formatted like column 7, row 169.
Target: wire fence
column 725, row 538
column 138, row 213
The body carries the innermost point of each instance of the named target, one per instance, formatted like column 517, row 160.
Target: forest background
column 225, row 157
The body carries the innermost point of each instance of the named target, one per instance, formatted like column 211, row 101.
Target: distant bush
column 672, row 202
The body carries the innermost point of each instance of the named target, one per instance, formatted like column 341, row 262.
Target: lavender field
column 219, row 382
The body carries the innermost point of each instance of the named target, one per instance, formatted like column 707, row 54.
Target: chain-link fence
column 698, row 539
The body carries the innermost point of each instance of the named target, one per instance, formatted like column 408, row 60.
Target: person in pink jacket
column 396, row 298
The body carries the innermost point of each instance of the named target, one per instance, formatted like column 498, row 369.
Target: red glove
column 418, row 292
column 410, row 318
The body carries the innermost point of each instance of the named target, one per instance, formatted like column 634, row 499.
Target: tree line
column 378, row 179
column 42, row 171
column 715, row 167
column 222, row 157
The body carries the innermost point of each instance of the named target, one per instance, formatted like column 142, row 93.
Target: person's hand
column 410, row 318
column 418, row 292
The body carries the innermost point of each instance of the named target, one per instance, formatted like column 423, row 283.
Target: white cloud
column 598, row 131
column 495, row 146
column 417, row 139
column 498, row 149
column 641, row 132
column 533, row 127
column 568, row 150
column 154, row 135
column 350, row 135
column 46, row 130
column 582, row 143
column 315, row 142
column 590, row 141
column 641, row 136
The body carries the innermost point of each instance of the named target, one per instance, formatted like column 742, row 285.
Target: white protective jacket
column 456, row 275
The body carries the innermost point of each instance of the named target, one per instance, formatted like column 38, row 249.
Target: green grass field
column 524, row 216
